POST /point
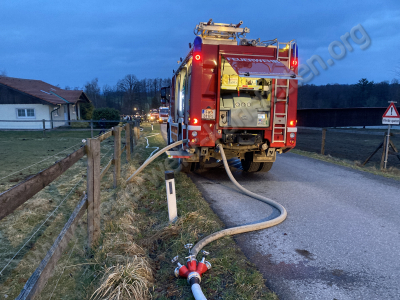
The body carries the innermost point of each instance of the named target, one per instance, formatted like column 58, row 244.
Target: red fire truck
column 154, row 115
column 235, row 91
column 164, row 114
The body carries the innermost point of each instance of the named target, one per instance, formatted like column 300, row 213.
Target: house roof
column 44, row 91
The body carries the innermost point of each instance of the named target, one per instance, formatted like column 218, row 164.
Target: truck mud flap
column 268, row 156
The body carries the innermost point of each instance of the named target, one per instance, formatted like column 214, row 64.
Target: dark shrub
column 108, row 114
column 86, row 110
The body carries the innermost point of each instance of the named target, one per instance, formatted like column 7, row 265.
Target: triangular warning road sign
column 391, row 112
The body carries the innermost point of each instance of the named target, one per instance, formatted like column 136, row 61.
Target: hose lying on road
column 245, row 228
column 196, row 289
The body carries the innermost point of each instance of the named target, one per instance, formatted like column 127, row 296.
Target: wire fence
column 95, row 156
column 40, row 226
column 43, row 160
column 354, row 145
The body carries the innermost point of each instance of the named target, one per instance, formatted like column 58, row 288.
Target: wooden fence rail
column 39, row 278
column 22, row 192
column 19, row 194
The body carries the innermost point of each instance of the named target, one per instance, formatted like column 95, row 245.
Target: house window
column 25, row 113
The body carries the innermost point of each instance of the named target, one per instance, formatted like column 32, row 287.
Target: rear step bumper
column 178, row 154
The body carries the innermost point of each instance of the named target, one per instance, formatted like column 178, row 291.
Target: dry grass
column 130, row 279
column 133, row 257
column 391, row 172
column 18, row 227
column 162, row 241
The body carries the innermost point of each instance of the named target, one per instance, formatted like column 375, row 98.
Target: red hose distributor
column 193, row 270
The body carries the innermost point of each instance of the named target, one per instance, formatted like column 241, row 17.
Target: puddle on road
column 306, row 254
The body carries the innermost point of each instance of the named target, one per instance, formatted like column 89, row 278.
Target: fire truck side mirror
column 164, row 94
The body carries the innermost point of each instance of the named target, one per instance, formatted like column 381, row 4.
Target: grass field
column 22, row 231
column 134, row 225
column 349, row 147
column 20, row 149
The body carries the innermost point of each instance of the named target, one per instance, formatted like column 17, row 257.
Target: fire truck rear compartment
column 250, row 109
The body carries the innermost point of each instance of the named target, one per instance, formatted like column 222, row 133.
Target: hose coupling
column 193, row 277
column 191, row 258
column 188, row 246
column 180, row 270
column 205, row 254
column 176, row 272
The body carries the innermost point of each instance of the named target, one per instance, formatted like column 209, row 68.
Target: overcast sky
column 70, row 42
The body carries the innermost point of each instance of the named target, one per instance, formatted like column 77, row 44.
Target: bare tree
column 92, row 90
column 3, row 73
column 129, row 86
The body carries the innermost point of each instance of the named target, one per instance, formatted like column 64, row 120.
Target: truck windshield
column 164, row 110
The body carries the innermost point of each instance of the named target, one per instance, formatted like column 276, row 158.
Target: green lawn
column 20, row 149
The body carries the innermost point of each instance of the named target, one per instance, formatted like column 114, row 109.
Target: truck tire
column 199, row 166
column 186, row 167
column 265, row 167
column 248, row 164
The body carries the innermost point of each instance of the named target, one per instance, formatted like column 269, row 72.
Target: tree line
column 362, row 94
column 129, row 95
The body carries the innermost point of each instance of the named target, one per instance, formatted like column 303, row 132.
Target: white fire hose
column 196, row 289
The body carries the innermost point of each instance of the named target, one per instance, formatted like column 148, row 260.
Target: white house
column 26, row 100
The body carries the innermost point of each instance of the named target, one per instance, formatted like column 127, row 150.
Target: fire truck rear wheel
column 248, row 164
column 186, row 167
column 199, row 166
column 265, row 167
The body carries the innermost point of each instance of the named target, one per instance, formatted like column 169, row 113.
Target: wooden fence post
column 128, row 141
column 134, row 134
column 117, row 154
column 383, row 152
column 93, row 191
column 137, row 132
column 323, row 141
column 132, row 129
column 91, row 128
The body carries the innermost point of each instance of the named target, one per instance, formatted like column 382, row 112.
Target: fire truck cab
column 234, row 91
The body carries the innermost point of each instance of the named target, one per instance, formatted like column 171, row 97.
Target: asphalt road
column 341, row 239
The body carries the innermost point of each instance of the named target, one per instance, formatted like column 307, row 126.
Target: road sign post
column 387, row 146
column 390, row 117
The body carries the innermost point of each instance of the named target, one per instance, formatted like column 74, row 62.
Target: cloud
column 72, row 42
